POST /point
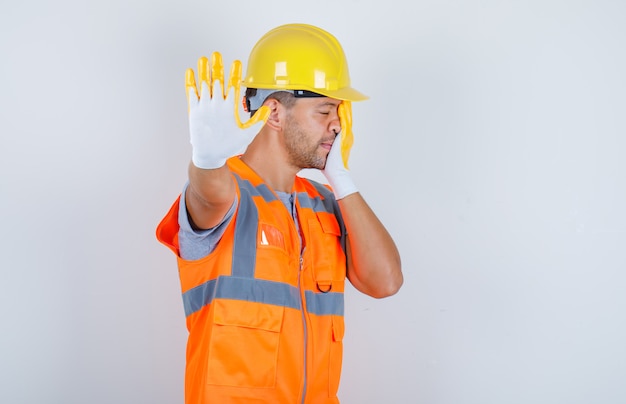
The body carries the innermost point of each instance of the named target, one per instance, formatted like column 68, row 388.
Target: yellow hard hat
column 301, row 57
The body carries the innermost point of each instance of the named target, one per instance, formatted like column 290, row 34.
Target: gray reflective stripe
column 246, row 289
column 316, row 204
column 324, row 303
column 266, row 193
column 201, row 295
column 244, row 245
column 261, row 190
column 328, row 204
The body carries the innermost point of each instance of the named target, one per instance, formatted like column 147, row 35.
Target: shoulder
column 317, row 196
column 313, row 187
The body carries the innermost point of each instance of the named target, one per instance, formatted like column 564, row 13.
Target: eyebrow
column 328, row 104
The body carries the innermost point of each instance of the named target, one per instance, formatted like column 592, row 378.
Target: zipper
column 306, row 337
column 300, row 234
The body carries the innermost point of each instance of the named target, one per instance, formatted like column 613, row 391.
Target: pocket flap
column 339, row 328
column 248, row 314
column 329, row 223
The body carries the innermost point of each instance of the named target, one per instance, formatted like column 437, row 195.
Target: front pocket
column 270, row 237
column 243, row 351
column 336, row 354
column 329, row 268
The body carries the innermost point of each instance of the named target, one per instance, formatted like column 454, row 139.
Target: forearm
column 209, row 195
column 374, row 266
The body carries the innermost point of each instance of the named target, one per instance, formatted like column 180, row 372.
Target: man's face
column 310, row 129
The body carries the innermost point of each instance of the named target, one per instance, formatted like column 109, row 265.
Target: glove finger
column 347, row 138
column 252, row 127
column 234, row 88
column 217, row 74
column 191, row 89
column 203, row 70
column 346, row 147
column 216, row 90
column 234, row 80
column 348, row 108
column 205, row 97
column 334, row 155
column 260, row 115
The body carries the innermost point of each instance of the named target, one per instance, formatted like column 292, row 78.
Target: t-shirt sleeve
column 194, row 244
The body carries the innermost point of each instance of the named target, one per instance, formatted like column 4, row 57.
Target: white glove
column 336, row 172
column 216, row 132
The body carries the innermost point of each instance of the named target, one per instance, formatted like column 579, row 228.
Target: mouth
column 327, row 144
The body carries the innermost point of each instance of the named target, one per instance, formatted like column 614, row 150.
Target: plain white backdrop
column 492, row 148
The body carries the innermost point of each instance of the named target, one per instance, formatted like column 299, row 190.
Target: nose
column 335, row 125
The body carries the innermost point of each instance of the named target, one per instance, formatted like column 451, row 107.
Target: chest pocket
column 325, row 243
column 243, row 351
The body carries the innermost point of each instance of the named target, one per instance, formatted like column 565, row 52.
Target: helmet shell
column 301, row 57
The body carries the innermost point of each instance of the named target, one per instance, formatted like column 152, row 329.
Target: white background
column 492, row 148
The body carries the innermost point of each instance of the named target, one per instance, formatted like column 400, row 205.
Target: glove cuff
column 205, row 163
column 342, row 185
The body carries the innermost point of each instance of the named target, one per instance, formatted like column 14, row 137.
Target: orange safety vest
column 265, row 317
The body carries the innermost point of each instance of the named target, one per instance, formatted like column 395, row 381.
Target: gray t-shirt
column 197, row 244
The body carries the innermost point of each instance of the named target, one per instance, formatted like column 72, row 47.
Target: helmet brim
column 346, row 93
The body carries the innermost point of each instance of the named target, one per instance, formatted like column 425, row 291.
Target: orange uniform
column 265, row 308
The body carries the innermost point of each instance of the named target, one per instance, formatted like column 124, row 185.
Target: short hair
column 286, row 98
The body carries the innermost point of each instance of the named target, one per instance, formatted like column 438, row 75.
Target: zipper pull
column 302, row 258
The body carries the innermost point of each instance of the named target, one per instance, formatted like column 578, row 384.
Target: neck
column 267, row 157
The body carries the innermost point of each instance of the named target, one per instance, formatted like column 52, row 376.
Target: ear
column 277, row 114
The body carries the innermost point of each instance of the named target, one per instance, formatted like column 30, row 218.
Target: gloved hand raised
column 216, row 131
column 336, row 169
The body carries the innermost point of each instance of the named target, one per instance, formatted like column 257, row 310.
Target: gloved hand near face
column 336, row 169
column 216, row 131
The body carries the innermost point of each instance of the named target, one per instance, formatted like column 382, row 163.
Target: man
column 263, row 253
